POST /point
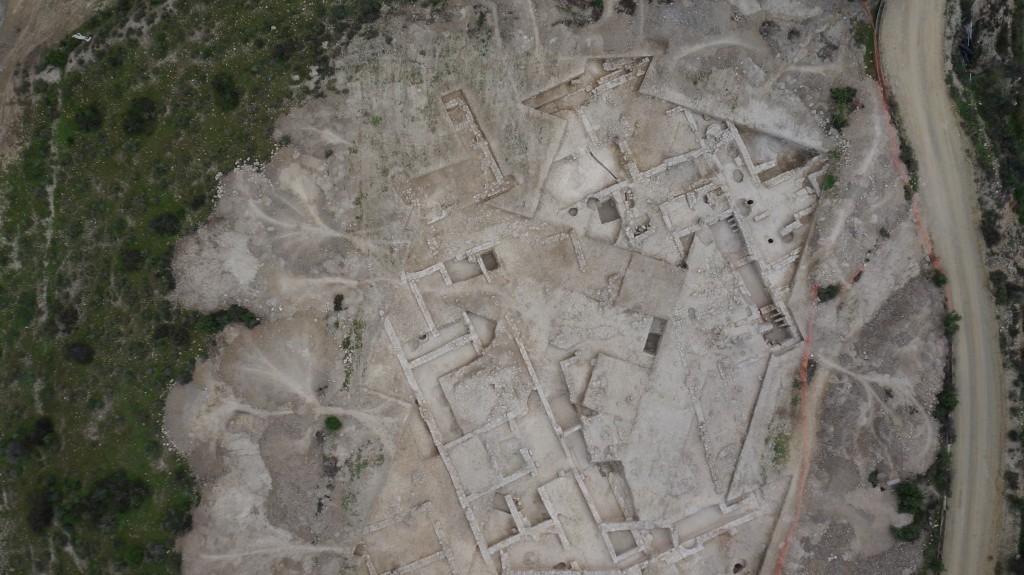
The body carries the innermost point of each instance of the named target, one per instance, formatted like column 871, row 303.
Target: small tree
column 951, row 323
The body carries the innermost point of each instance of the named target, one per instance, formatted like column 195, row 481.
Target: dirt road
column 913, row 54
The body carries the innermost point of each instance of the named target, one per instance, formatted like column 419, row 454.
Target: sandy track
column 913, row 54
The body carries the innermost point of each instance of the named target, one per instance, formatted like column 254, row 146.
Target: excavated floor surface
column 555, row 278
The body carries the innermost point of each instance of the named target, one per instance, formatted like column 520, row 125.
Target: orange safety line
column 894, row 150
column 854, row 277
column 894, row 140
column 805, row 448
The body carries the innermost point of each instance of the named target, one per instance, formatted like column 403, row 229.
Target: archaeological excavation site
column 557, row 287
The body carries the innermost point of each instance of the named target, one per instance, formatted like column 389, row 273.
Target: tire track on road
column 912, row 47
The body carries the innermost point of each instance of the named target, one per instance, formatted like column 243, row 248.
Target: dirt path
column 28, row 25
column 913, row 53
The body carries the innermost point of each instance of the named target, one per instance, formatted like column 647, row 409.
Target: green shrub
column 42, row 507
column 909, row 498
column 844, row 99
column 332, row 423
column 780, row 448
column 88, row 118
column 25, row 309
column 941, row 472
column 132, row 260
column 80, row 352
column 141, row 116
column 947, row 399
column 840, row 119
column 843, row 96
column 226, row 95
column 28, row 440
column 829, row 292
column 113, row 495
column 829, row 182
column 58, row 55
column 167, row 223
column 865, row 36
column 910, row 532
column 951, row 323
column 215, row 322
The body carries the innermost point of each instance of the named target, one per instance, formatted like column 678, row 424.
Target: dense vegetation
column 118, row 159
column 989, row 101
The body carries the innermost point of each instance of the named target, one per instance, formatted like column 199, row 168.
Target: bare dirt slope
column 912, row 38
column 25, row 28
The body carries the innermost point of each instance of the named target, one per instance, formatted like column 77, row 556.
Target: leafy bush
column 67, row 317
column 941, row 472
column 25, row 309
column 174, row 332
column 780, row 448
column 844, row 96
column 332, row 423
column 80, row 352
column 911, row 532
column 844, row 99
column 947, row 399
column 167, row 223
column 909, row 498
column 864, row 34
column 89, row 118
column 215, row 322
column 27, row 439
column 58, row 55
column 829, row 182
column 226, row 95
column 41, row 507
column 132, row 259
column 840, row 119
column 141, row 116
column 951, row 323
column 109, row 497
column 829, row 292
